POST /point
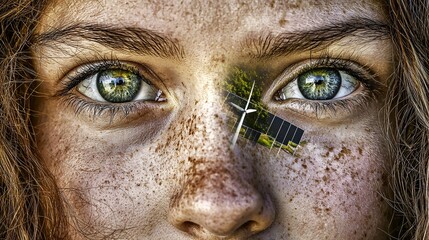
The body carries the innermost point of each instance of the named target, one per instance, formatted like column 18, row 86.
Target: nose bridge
column 209, row 135
column 208, row 129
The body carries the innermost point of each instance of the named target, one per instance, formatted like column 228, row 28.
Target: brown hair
column 30, row 205
column 408, row 116
column 30, row 202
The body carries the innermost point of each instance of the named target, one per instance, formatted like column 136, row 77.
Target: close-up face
column 133, row 118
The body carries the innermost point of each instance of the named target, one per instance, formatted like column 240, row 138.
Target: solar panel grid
column 279, row 132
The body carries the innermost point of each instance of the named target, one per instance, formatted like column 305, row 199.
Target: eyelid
column 291, row 73
column 82, row 72
column 333, row 110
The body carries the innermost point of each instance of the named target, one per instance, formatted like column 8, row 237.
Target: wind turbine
column 243, row 115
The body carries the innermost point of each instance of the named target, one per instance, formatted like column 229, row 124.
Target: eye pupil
column 318, row 80
column 119, row 81
column 320, row 84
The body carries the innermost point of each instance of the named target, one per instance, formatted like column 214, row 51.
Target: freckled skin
column 167, row 172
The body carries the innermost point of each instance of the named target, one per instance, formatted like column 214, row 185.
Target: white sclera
column 348, row 85
column 88, row 87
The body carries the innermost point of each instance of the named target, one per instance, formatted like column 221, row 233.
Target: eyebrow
column 144, row 41
column 269, row 46
column 138, row 40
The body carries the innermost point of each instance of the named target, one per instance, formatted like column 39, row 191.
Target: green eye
column 117, row 85
column 320, row 84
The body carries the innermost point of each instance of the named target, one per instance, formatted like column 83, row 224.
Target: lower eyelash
column 97, row 109
column 330, row 108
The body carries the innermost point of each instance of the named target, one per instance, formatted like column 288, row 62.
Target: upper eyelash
column 365, row 75
column 91, row 69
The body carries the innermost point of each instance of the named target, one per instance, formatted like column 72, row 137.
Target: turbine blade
column 237, row 131
column 236, row 106
column 250, row 96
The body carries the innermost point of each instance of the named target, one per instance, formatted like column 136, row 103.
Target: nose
column 217, row 202
column 218, row 196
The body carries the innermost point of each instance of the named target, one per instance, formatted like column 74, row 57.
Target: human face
column 165, row 169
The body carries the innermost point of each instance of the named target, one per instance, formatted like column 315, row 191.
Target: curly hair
column 408, row 116
column 30, row 204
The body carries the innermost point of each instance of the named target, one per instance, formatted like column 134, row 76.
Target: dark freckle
column 326, row 154
column 261, row 210
column 344, row 151
column 325, row 178
column 354, row 175
column 304, row 166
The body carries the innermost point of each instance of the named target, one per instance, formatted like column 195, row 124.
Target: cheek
column 335, row 183
column 109, row 183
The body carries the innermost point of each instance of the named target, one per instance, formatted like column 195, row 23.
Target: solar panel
column 264, row 127
column 283, row 131
column 275, row 126
column 298, row 135
column 289, row 135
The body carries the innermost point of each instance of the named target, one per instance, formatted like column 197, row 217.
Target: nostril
column 190, row 227
column 249, row 226
column 194, row 229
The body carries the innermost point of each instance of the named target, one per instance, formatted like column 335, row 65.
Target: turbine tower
column 243, row 115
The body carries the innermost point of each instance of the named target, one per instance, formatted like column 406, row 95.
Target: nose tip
column 225, row 212
column 224, row 218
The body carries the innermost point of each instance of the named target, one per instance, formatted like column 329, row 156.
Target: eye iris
column 117, row 85
column 320, row 84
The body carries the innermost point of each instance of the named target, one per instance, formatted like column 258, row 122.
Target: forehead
column 210, row 17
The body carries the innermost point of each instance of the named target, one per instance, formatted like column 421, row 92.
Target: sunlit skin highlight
column 166, row 169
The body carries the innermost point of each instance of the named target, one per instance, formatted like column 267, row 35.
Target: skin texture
column 166, row 170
